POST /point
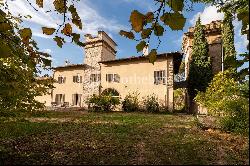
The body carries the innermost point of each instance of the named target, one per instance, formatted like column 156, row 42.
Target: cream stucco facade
column 136, row 74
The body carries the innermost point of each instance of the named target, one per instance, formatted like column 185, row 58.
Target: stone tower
column 98, row 48
column 213, row 33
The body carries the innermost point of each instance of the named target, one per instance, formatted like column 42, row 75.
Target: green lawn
column 116, row 138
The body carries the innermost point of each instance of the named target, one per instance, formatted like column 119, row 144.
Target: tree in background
column 20, row 60
column 200, row 72
column 228, row 42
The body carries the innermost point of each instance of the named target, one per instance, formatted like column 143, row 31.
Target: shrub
column 224, row 98
column 103, row 103
column 179, row 99
column 151, row 104
column 131, row 103
column 236, row 117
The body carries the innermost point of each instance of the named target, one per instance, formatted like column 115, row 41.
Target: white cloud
column 38, row 17
column 241, row 41
column 209, row 14
column 91, row 18
column 47, row 50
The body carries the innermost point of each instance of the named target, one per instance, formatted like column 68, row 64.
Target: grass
column 115, row 138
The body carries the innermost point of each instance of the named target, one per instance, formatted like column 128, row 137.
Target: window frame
column 77, row 78
column 113, row 78
column 95, row 78
column 61, row 79
column 160, row 77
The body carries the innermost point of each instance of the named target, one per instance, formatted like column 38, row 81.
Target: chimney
column 145, row 50
column 66, row 62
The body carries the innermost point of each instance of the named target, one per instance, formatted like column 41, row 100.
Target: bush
column 151, row 104
column 104, row 103
column 224, row 98
column 236, row 116
column 179, row 99
column 131, row 103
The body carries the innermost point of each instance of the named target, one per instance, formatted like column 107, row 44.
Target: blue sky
column 111, row 16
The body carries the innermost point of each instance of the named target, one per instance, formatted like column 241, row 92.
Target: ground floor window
column 60, row 98
column 76, row 99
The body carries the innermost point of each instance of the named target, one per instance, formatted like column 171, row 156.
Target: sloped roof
column 70, row 66
column 176, row 55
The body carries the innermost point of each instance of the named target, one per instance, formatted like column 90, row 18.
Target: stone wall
column 170, row 83
column 99, row 48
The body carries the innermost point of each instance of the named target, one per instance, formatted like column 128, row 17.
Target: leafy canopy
column 20, row 62
column 200, row 71
column 168, row 14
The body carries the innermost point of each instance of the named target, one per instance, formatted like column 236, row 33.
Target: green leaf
column 149, row 17
column 243, row 15
column 145, row 33
column 5, row 27
column 25, row 34
column 77, row 22
column 158, row 30
column 75, row 17
column 75, row 37
column 176, row 5
column 59, row 6
column 39, row 3
column 175, row 21
column 60, row 41
column 48, row 31
column 5, row 50
column 129, row 35
column 152, row 56
column 67, row 30
column 46, row 62
column 137, row 21
column 140, row 46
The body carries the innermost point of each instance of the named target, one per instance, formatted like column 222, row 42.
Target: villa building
column 101, row 71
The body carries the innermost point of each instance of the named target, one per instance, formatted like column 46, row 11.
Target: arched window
column 110, row 91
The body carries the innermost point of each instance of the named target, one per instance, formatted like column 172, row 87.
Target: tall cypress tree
column 200, row 71
column 228, row 42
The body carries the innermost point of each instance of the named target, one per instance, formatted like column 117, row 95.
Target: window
column 109, row 77
column 116, row 78
column 77, row 79
column 159, row 77
column 60, row 98
column 112, row 78
column 95, row 77
column 76, row 99
column 61, row 79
